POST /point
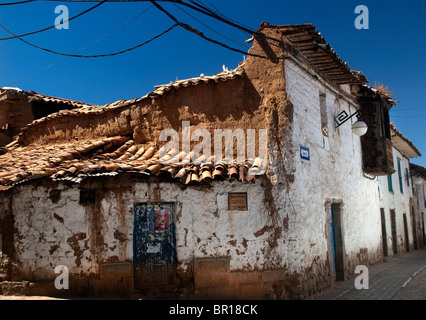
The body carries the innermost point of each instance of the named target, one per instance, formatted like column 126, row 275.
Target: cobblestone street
column 397, row 278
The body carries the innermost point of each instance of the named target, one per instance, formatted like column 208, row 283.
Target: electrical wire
column 97, row 55
column 200, row 34
column 196, row 7
column 410, row 117
column 238, row 25
column 208, row 12
column 247, row 30
column 83, row 48
column 14, row 3
column 177, row 23
column 217, row 11
column 240, row 44
column 51, row 27
column 407, row 109
column 214, row 7
column 224, row 16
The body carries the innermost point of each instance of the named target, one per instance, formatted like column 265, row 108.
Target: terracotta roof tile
column 15, row 93
column 223, row 76
column 403, row 144
column 306, row 40
column 109, row 156
column 418, row 169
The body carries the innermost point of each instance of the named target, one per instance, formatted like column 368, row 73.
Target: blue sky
column 391, row 51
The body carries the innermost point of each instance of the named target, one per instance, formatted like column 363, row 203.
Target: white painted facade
column 51, row 233
column 397, row 197
column 332, row 175
column 419, row 193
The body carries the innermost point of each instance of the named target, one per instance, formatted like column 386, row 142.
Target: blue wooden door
column 154, row 245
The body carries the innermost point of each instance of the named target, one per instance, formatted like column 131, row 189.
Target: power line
column 51, row 27
column 89, row 45
column 217, row 11
column 200, row 34
column 177, row 23
column 97, row 55
column 238, row 25
column 240, row 44
column 198, row 7
column 213, row 6
column 410, row 117
column 14, row 3
column 407, row 109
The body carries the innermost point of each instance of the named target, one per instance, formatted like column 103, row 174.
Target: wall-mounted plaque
column 237, row 201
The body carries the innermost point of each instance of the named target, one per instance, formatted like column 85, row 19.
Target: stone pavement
column 402, row 277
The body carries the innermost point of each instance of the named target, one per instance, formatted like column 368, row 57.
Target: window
column 87, row 197
column 401, row 186
column 323, row 110
column 407, row 176
column 390, row 187
column 324, row 122
column 376, row 143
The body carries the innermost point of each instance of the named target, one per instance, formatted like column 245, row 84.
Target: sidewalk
column 402, row 277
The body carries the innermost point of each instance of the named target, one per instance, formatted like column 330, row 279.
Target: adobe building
column 19, row 108
column 87, row 188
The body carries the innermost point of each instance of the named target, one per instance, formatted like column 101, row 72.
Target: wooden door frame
column 336, row 206
column 384, row 232
column 135, row 242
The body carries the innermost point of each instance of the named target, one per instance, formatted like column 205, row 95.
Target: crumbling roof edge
column 35, row 96
column 418, row 169
column 405, row 139
column 159, row 91
column 381, row 95
column 310, row 30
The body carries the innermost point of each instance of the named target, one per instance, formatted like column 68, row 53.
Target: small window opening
column 87, row 196
column 323, row 110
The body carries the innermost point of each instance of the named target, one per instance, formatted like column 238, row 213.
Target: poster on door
column 161, row 218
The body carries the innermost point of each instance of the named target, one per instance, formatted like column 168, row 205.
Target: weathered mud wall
column 99, row 234
column 13, row 116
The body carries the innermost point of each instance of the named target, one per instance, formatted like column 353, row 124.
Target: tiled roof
column 77, row 160
column 15, row 93
column 403, row 144
column 309, row 42
column 418, row 169
column 380, row 95
column 223, row 76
